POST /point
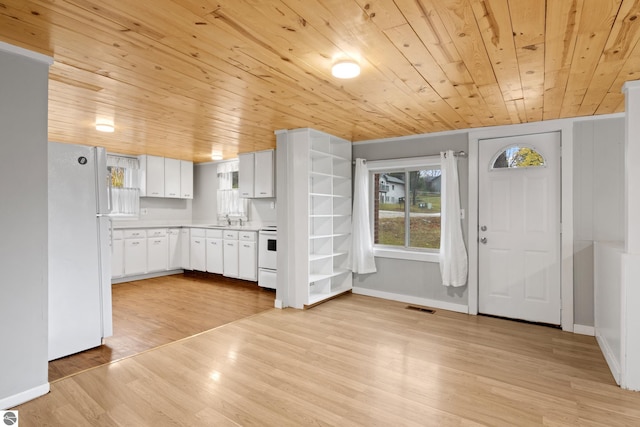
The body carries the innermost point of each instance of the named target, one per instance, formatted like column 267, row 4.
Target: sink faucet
column 228, row 220
column 240, row 222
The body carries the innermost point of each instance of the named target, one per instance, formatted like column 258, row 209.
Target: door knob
column 483, row 228
column 483, row 240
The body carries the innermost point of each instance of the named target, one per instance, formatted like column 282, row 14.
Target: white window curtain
column 453, row 254
column 362, row 259
column 229, row 202
column 125, row 192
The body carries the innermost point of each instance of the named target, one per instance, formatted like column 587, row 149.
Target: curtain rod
column 460, row 153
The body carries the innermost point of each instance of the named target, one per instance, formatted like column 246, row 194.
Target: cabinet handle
column 135, row 243
column 263, row 192
column 197, row 241
column 229, row 244
column 246, row 246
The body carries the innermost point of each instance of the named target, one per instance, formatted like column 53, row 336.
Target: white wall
column 23, row 215
column 598, row 201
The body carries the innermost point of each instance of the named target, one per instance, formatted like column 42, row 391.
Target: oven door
column 267, row 246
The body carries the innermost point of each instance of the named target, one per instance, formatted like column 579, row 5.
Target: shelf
column 317, row 154
column 319, row 277
column 318, row 257
column 319, row 297
column 327, row 236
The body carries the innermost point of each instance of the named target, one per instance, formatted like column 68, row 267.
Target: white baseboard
column 460, row 308
column 584, row 330
column 145, row 276
column 25, row 396
column 277, row 303
column 614, row 366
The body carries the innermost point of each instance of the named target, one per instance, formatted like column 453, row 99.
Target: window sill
column 406, row 255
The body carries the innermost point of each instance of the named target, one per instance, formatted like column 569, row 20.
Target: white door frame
column 565, row 127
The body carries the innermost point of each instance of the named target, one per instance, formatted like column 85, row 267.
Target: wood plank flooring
column 149, row 313
column 354, row 360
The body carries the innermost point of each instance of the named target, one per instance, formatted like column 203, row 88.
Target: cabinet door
column 246, row 175
column 230, row 258
column 175, row 249
column 186, row 179
column 215, row 256
column 117, row 258
column 135, row 256
column 172, row 178
column 198, row 254
column 264, row 172
column 185, row 251
column 157, row 254
column 155, row 176
column 247, row 259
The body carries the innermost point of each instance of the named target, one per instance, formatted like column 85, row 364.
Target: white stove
column 267, row 256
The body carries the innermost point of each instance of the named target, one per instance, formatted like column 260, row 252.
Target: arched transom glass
column 517, row 156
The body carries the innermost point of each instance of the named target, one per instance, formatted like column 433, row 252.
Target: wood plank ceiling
column 186, row 78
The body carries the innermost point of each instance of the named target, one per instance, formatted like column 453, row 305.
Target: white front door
column 519, row 227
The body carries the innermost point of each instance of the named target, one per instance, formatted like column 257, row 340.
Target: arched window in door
column 517, row 156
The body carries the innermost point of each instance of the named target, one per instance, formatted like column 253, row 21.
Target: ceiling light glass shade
column 345, row 69
column 104, row 127
column 216, row 155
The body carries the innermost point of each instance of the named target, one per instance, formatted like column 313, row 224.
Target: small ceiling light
column 216, row 155
column 105, row 127
column 346, row 69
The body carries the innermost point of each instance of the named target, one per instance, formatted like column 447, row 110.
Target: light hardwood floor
column 354, row 360
column 152, row 312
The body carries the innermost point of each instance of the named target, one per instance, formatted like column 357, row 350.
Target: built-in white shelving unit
column 317, row 221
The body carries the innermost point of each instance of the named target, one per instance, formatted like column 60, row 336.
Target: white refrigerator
column 80, row 312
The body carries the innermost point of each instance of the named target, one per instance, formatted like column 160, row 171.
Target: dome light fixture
column 345, row 69
column 105, row 127
column 216, row 155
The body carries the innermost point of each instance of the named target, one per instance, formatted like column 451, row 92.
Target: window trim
column 402, row 165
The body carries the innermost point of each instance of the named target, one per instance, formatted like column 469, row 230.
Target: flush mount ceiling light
column 216, row 155
column 105, row 127
column 346, row 69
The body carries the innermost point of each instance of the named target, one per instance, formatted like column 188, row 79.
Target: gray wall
column 598, row 200
column 23, row 215
column 416, row 278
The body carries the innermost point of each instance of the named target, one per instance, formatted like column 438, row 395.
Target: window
column 406, row 206
column 228, row 198
column 517, row 157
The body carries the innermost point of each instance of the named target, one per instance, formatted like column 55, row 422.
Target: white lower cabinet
column 248, row 255
column 198, row 249
column 157, row 250
column 185, row 248
column 135, row 252
column 117, row 253
column 215, row 251
column 230, row 253
column 175, row 249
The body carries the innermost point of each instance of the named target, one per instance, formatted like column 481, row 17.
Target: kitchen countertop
column 250, row 226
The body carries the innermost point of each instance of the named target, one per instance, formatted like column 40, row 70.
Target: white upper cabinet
column 151, row 176
column 263, row 174
column 256, row 174
column 186, row 179
column 165, row 177
column 171, row 178
column 246, row 175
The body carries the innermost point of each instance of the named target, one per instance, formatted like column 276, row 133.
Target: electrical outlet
column 273, row 205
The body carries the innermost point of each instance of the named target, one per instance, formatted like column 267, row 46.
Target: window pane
column 388, row 209
column 518, row 157
column 424, row 208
